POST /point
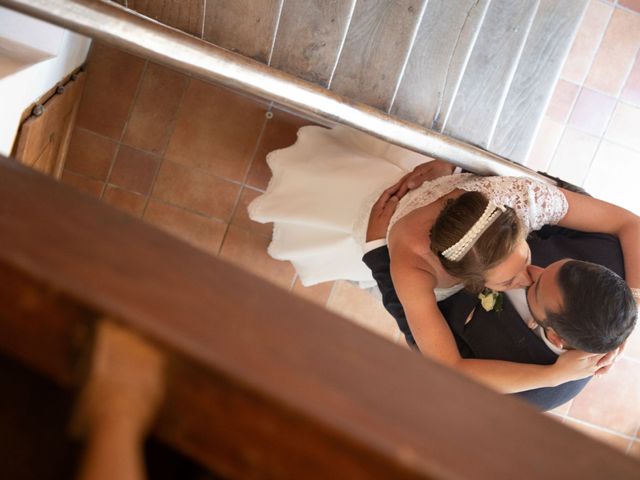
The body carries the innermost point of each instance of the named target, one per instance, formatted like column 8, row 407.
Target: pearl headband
column 459, row 249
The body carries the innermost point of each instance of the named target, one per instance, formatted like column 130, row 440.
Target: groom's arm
column 379, row 262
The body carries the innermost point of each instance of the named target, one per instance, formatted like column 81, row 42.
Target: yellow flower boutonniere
column 491, row 300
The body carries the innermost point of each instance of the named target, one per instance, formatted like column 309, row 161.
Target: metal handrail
column 130, row 31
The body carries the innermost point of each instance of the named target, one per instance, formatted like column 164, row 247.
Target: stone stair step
column 489, row 72
column 309, row 37
column 544, row 52
column 478, row 70
column 243, row 26
column 375, row 50
column 438, row 58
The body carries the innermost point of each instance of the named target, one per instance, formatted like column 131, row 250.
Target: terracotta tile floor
column 590, row 137
column 190, row 163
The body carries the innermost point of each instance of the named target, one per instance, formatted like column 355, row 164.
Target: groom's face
column 544, row 294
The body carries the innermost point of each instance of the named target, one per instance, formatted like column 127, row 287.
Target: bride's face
column 512, row 272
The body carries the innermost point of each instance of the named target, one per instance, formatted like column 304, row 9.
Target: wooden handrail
column 259, row 382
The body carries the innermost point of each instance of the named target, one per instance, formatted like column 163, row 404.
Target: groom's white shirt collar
column 518, row 298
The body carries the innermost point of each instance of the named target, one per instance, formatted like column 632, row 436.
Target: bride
column 455, row 231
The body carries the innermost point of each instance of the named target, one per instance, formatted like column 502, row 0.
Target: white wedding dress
column 323, row 188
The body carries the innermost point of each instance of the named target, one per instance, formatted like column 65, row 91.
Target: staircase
column 481, row 71
column 241, row 398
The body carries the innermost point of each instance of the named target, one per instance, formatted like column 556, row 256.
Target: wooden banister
column 259, row 382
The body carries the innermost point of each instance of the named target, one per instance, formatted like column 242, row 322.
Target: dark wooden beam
column 261, row 383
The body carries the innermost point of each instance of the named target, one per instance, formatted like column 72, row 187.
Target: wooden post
column 259, row 383
column 118, row 404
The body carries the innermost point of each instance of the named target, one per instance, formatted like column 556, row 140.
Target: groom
column 504, row 335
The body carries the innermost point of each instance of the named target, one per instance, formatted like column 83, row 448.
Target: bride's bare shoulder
column 409, row 240
column 409, row 266
column 409, row 249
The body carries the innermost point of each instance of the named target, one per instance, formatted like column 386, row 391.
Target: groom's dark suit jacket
column 503, row 335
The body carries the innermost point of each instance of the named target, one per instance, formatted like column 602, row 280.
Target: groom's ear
column 554, row 338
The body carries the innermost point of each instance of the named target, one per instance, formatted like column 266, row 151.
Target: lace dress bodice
column 535, row 203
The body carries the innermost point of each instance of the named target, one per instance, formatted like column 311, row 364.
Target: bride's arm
column 434, row 338
column 589, row 214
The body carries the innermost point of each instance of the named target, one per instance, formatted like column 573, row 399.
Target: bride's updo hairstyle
column 491, row 247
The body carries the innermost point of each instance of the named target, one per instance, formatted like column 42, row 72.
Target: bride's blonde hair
column 493, row 246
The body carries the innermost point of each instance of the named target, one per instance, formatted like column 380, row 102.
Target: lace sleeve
column 547, row 206
column 536, row 203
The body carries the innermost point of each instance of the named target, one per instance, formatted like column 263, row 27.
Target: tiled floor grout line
column 162, row 158
column 240, row 183
column 134, row 100
column 251, row 187
column 575, row 100
column 191, row 211
column 331, row 292
column 566, row 414
column 631, row 359
column 118, row 187
column 601, row 428
column 268, row 116
column 626, row 9
column 565, row 124
column 165, row 147
column 613, row 142
column 157, row 199
column 124, row 127
column 629, row 72
column 556, row 415
column 635, row 57
column 246, row 173
column 600, row 140
column 108, row 176
column 627, row 102
column 631, row 442
column 595, row 52
column 83, row 175
column 100, row 135
column 293, row 282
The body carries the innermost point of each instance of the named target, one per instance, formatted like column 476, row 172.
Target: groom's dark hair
column 598, row 309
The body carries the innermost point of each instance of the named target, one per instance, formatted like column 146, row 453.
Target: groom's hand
column 385, row 206
column 424, row 172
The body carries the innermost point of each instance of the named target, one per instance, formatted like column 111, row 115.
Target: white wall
column 34, row 56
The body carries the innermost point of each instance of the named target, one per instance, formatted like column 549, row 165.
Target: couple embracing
column 434, row 240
